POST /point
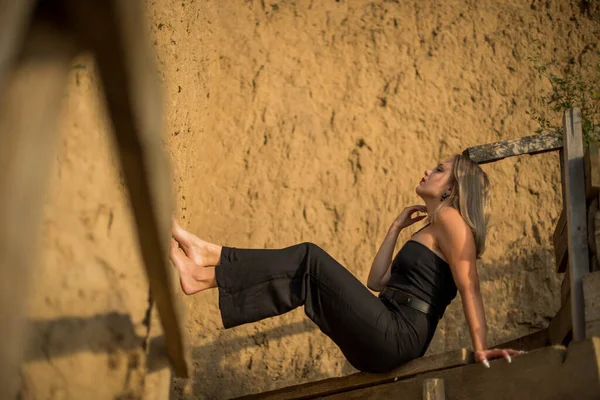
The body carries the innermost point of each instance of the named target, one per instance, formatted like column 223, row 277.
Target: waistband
column 398, row 297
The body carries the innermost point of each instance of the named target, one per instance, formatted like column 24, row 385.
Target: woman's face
column 436, row 180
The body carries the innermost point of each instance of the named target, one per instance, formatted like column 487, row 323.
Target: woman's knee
column 313, row 250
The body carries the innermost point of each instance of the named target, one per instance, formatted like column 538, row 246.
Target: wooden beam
column 548, row 373
column 114, row 31
column 508, row 148
column 592, row 171
column 560, row 241
column 576, row 216
column 362, row 379
column 565, row 288
column 561, row 161
column 29, row 108
column 591, row 294
column 592, row 211
column 561, row 325
column 433, row 389
column 532, row 341
column 594, row 265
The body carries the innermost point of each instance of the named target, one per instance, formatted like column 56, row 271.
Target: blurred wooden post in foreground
column 29, row 107
column 38, row 43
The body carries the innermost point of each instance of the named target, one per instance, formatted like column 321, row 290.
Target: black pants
column 374, row 334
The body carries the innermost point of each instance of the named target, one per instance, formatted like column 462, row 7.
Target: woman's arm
column 457, row 243
column 380, row 272
column 458, row 246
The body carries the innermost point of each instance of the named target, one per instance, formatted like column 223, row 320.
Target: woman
column 376, row 334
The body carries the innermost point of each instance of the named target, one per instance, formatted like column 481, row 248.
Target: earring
column 445, row 196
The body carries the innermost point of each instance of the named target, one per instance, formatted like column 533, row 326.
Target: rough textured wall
column 293, row 121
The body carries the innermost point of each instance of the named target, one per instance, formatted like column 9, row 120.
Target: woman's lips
column 422, row 180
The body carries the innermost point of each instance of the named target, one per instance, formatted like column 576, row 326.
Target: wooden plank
column 565, row 288
column 508, row 148
column 592, row 210
column 114, row 30
column 362, row 379
column 561, row 161
column 548, row 373
column 576, row 216
column 433, row 389
column 561, row 325
column 591, row 294
column 592, row 171
column 528, row 342
column 561, row 242
column 594, row 265
column 29, row 107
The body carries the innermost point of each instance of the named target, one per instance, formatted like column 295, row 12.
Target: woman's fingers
column 417, row 218
column 416, row 207
column 506, row 356
column 486, row 355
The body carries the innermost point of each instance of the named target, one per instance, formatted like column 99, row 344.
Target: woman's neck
column 432, row 205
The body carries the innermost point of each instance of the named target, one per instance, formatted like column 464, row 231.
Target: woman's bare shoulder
column 450, row 222
column 449, row 215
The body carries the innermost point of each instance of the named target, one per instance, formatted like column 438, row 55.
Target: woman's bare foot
column 203, row 253
column 192, row 277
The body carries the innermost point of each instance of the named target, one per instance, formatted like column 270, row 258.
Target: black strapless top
column 417, row 270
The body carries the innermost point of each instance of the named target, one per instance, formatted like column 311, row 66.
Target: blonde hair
column 470, row 187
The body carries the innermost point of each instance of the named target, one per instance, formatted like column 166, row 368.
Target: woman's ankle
column 214, row 251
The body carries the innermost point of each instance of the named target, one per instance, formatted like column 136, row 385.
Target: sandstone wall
column 290, row 121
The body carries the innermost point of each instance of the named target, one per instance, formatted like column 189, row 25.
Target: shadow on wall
column 521, row 293
column 103, row 333
column 214, row 353
column 526, row 287
column 114, row 333
column 110, row 334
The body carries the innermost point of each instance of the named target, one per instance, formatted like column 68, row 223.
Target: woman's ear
column 446, row 194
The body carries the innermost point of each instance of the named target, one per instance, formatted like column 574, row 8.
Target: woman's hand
column 483, row 356
column 406, row 218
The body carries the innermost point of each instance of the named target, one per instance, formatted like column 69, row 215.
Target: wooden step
column 591, row 295
column 433, row 389
column 548, row 373
column 362, row 379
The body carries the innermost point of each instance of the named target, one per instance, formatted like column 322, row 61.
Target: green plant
column 572, row 85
